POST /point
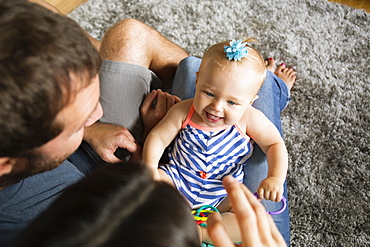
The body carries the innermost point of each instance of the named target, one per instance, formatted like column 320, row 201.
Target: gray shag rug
column 326, row 126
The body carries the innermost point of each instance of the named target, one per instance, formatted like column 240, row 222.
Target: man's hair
column 116, row 205
column 39, row 50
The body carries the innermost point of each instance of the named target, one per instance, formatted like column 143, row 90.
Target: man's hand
column 155, row 107
column 106, row 138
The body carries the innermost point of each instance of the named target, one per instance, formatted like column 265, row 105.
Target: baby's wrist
column 277, row 178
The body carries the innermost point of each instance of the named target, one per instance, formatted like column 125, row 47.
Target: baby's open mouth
column 213, row 118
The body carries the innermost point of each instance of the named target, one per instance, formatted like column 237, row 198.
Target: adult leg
column 273, row 98
column 136, row 59
column 132, row 41
column 184, row 82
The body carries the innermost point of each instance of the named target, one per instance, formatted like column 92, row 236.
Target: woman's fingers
column 257, row 227
column 241, row 202
column 217, row 231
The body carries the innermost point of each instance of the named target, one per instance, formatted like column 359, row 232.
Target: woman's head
column 117, row 205
column 226, row 88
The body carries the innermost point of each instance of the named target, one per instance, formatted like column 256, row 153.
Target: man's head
column 48, row 84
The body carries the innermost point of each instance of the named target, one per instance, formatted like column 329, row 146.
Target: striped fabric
column 200, row 159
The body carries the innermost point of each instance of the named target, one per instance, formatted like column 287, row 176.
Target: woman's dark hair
column 39, row 50
column 116, row 205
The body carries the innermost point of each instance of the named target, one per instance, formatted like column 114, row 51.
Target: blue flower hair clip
column 236, row 50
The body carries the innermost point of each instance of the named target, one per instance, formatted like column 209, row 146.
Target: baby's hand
column 271, row 189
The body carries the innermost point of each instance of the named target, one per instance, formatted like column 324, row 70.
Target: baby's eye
column 231, row 102
column 210, row 94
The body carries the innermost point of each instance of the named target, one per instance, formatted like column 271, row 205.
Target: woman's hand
column 257, row 227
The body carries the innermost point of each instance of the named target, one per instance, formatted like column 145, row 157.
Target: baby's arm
column 163, row 134
column 268, row 138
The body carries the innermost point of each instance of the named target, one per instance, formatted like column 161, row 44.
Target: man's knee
column 126, row 41
column 129, row 29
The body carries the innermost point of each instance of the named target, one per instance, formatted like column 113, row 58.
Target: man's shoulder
column 32, row 191
column 23, row 201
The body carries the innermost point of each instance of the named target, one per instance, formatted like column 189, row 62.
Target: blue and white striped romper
column 201, row 156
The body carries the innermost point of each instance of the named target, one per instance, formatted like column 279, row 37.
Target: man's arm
column 105, row 138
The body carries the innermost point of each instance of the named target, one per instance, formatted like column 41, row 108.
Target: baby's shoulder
column 184, row 106
column 249, row 118
column 252, row 113
column 187, row 102
column 181, row 109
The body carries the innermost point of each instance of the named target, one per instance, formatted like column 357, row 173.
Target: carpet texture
column 327, row 124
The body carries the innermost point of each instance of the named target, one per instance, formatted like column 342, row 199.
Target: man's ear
column 6, row 165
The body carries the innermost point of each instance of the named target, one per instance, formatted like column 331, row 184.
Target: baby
column 212, row 133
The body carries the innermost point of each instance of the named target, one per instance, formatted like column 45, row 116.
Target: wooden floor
column 66, row 6
column 359, row 4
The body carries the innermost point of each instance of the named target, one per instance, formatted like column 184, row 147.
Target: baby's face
column 222, row 97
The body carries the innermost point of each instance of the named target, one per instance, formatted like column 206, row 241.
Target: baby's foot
column 270, row 64
column 288, row 75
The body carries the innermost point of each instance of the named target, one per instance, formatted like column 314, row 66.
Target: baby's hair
column 253, row 60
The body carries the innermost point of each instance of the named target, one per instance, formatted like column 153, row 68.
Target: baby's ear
column 254, row 99
column 6, row 165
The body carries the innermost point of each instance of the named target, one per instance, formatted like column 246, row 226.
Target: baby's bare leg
column 230, row 221
column 232, row 228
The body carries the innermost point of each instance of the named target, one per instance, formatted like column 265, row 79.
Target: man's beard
column 35, row 163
